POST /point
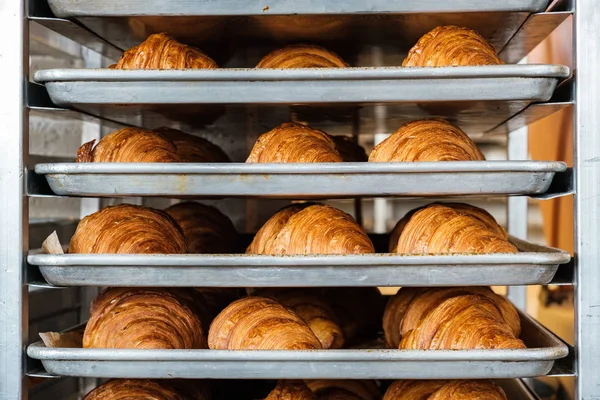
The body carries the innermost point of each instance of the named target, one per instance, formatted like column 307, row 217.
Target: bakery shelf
column 533, row 265
column 475, row 98
column 301, row 181
column 544, row 349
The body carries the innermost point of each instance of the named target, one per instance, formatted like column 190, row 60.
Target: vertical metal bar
column 517, row 209
column 14, row 66
column 587, row 198
column 358, row 214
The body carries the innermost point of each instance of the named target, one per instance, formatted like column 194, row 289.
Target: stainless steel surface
column 587, row 199
column 323, row 364
column 534, row 265
column 13, row 202
column 306, row 181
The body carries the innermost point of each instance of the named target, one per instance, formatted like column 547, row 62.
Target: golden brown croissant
column 145, row 389
column 469, row 390
column 294, row 143
column 426, row 140
column 259, row 323
column 291, row 390
column 130, row 145
column 191, row 148
column 316, row 229
column 144, row 318
column 302, row 56
column 161, row 51
column 205, row 228
column 313, row 308
column 128, row 229
column 451, row 46
column 439, row 228
column 344, row 389
column 412, row 389
column 349, row 150
column 395, row 310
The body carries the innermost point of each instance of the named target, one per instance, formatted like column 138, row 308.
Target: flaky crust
column 206, row 229
column 144, row 318
column 301, row 56
column 440, row 228
column 344, row 389
column 146, row 389
column 294, row 143
column 469, row 390
column 258, row 323
column 128, row 229
column 291, row 390
column 161, row 51
column 451, row 46
column 130, row 145
column 267, row 234
column 412, row 389
column 349, row 150
column 191, row 148
column 395, row 310
column 316, row 229
column 426, row 140
column 314, row 309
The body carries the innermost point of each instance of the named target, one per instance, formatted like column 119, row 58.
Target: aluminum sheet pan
column 301, row 181
column 536, row 360
column 533, row 265
column 114, row 8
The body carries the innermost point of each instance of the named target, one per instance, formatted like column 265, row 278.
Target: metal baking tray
column 301, row 181
column 537, row 360
column 533, row 265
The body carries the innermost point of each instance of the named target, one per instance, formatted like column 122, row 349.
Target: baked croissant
column 426, row 140
column 314, row 310
column 193, row 149
column 301, row 56
column 259, row 323
column 128, row 229
column 145, row 389
column 476, row 212
column 161, row 51
column 291, row 390
column 444, row 390
column 132, row 145
column 440, row 228
column 316, row 229
column 205, row 228
column 344, row 389
column 349, row 150
column 294, row 143
column 395, row 310
column 451, row 46
column 144, row 318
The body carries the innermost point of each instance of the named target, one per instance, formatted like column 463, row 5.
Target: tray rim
column 319, row 74
column 300, row 168
column 61, row 10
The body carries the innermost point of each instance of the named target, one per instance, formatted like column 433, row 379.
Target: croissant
column 161, row 51
column 349, row 150
column 144, row 318
column 476, row 212
column 314, row 310
column 315, row 229
column 126, row 229
column 193, row 149
column 426, row 140
column 344, row 389
column 291, row 390
column 301, row 56
column 145, row 389
column 395, row 310
column 439, row 228
column 442, row 390
column 451, row 46
column 133, row 145
column 258, row 323
column 205, row 228
column 294, row 143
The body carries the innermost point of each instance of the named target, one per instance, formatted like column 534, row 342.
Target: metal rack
column 525, row 24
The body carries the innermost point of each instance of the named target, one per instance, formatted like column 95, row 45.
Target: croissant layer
column 302, row 56
column 291, row 390
column 344, row 389
column 193, row 149
column 451, row 46
column 145, row 389
column 444, row 390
